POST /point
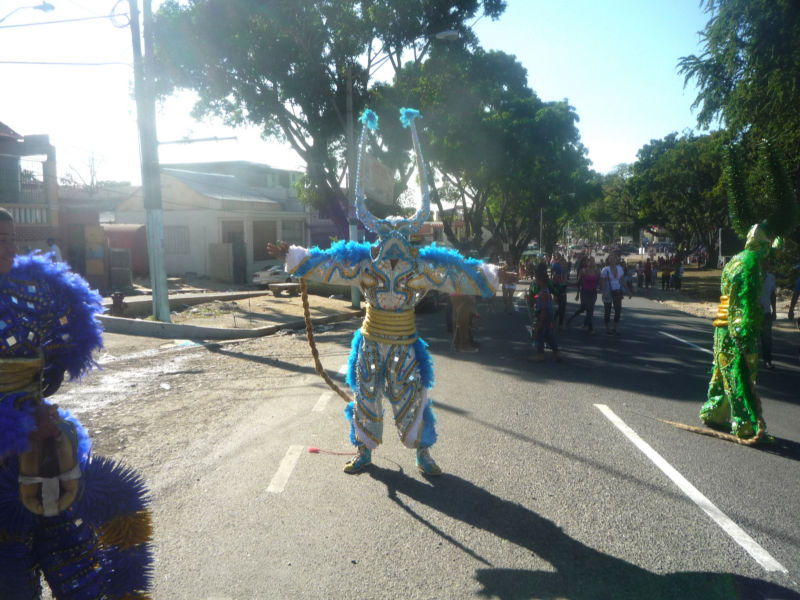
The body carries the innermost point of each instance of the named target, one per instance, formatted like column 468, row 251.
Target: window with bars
column 292, row 232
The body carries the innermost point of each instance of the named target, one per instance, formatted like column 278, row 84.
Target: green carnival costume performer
column 733, row 403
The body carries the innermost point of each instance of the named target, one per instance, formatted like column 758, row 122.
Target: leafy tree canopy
column 677, row 184
column 749, row 72
column 502, row 153
column 292, row 66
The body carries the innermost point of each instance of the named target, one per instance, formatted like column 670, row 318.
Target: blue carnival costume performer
column 388, row 357
column 81, row 522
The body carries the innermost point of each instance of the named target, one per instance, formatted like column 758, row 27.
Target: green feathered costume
column 733, row 402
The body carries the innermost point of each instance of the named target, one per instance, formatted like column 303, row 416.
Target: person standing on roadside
column 666, row 275
column 768, row 301
column 612, row 281
column 678, row 275
column 508, row 279
column 559, row 281
column 54, row 250
column 792, row 304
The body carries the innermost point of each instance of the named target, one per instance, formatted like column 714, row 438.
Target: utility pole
column 541, row 231
column 355, row 292
column 148, row 152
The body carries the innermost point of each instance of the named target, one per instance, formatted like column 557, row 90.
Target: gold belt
column 388, row 327
column 721, row 320
column 22, row 375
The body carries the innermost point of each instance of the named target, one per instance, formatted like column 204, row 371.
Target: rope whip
column 752, row 441
column 312, row 343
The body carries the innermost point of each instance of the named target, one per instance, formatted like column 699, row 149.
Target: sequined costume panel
column 448, row 271
column 343, row 263
column 392, row 371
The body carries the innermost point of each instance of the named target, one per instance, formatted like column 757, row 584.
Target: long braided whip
column 313, row 344
column 752, row 441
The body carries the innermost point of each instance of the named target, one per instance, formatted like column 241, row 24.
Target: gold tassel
column 127, row 531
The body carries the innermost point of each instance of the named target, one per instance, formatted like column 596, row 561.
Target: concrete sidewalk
column 212, row 315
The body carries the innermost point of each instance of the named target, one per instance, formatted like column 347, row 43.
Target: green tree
column 296, row 67
column 501, row 152
column 749, row 72
column 677, row 185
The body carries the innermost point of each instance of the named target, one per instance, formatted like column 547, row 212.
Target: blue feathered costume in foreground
column 82, row 522
column 388, row 358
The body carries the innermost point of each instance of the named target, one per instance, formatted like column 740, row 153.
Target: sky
column 614, row 61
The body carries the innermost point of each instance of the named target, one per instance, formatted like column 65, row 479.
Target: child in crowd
column 542, row 310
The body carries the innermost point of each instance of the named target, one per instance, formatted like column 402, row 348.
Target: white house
column 219, row 217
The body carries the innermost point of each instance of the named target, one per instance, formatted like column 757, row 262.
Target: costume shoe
column 426, row 464
column 361, row 460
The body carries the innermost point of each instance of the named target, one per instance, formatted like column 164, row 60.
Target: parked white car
column 276, row 274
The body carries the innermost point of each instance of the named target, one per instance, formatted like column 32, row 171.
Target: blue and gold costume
column 388, row 357
column 82, row 522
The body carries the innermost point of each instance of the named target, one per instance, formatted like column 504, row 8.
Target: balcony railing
column 29, row 214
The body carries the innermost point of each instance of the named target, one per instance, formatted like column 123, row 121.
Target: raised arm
column 342, row 263
column 447, row 271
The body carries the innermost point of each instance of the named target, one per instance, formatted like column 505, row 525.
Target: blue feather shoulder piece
column 343, row 251
column 444, row 255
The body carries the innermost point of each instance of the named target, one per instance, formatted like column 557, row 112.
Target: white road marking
column 695, row 346
column 285, row 469
column 752, row 547
column 322, row 402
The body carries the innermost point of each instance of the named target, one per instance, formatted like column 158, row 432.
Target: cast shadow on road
column 782, row 447
column 578, row 572
column 262, row 360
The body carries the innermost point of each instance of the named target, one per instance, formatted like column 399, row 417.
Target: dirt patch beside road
column 260, row 311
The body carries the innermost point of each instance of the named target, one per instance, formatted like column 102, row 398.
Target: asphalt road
column 560, row 479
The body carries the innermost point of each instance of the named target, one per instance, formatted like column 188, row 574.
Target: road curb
column 174, row 331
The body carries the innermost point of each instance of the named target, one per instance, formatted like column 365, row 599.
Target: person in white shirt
column 612, row 284
column 767, row 301
column 54, row 251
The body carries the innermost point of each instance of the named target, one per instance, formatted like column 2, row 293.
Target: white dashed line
column 695, row 346
column 322, row 403
column 285, row 469
column 761, row 556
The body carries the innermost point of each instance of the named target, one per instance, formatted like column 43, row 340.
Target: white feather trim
column 294, row 257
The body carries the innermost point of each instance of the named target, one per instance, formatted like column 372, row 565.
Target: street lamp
column 44, row 7
column 450, row 35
